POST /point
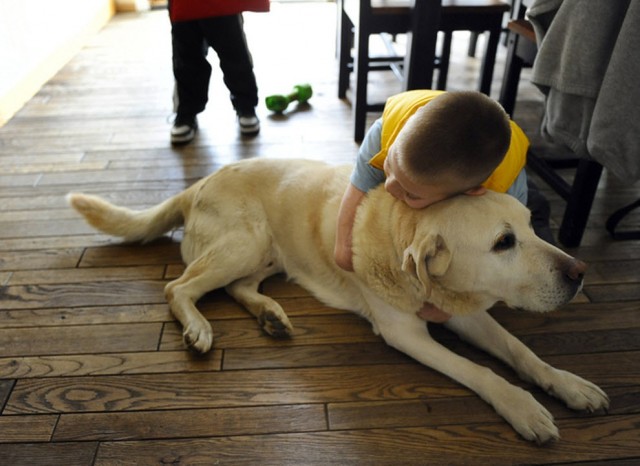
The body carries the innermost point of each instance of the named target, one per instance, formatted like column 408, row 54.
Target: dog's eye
column 504, row 242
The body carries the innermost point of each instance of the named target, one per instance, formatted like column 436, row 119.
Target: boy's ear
column 477, row 191
column 427, row 257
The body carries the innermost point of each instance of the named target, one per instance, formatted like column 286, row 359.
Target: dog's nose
column 575, row 270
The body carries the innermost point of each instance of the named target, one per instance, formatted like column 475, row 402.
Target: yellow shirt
column 400, row 107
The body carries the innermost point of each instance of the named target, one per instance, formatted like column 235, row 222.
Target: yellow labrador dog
column 255, row 218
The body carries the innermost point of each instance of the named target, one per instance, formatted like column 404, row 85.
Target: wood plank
column 54, row 242
column 583, row 342
column 446, row 411
column 139, row 192
column 312, row 356
column 85, row 274
column 164, row 362
column 19, row 180
column 50, row 215
column 615, row 250
column 620, row 271
column 226, row 389
column 409, row 413
column 614, row 293
column 5, row 388
column 548, row 346
column 461, row 444
column 49, row 454
column 84, row 294
column 36, row 228
column 79, row 339
column 190, row 423
column 619, row 368
column 571, row 318
column 609, row 462
column 4, row 277
column 75, row 178
column 246, row 333
column 162, row 251
column 40, row 259
column 85, row 315
column 601, row 368
column 38, row 428
column 57, row 167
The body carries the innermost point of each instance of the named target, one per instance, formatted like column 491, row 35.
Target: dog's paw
column 198, row 336
column 275, row 324
column 577, row 392
column 528, row 417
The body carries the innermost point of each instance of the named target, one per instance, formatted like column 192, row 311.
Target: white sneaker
column 184, row 129
column 249, row 124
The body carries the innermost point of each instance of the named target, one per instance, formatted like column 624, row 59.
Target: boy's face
column 417, row 196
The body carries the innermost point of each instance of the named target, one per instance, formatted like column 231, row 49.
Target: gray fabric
column 587, row 66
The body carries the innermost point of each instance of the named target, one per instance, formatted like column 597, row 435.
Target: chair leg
column 579, row 203
column 345, row 38
column 512, row 69
column 473, row 43
column 486, row 72
column 443, row 67
column 421, row 45
column 361, row 68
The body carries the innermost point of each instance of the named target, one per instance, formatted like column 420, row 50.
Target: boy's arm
column 363, row 178
column 342, row 251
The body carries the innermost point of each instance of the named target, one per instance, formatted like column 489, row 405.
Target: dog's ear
column 426, row 257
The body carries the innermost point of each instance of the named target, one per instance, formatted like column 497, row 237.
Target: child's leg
column 191, row 69
column 226, row 35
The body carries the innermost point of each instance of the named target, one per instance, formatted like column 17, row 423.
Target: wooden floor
column 92, row 367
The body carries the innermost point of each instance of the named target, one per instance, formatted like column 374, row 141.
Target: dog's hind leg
column 208, row 272
column 269, row 313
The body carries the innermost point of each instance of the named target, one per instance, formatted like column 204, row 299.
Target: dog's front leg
column 409, row 334
column 483, row 331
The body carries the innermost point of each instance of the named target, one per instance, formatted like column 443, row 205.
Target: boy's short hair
column 465, row 134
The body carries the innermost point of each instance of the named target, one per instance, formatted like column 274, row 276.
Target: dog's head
column 470, row 252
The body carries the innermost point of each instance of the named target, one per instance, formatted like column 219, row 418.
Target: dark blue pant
column 192, row 71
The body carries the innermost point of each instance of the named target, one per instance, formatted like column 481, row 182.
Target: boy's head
column 449, row 146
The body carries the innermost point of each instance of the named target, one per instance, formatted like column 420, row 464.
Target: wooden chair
column 475, row 16
column 419, row 22
column 521, row 52
column 424, row 19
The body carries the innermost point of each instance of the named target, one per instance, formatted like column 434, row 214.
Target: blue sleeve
column 364, row 176
column 520, row 189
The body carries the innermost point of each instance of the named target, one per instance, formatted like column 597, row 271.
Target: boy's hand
column 344, row 257
column 430, row 313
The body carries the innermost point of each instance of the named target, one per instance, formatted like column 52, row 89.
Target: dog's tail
column 132, row 225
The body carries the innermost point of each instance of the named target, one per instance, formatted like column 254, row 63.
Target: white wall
column 37, row 37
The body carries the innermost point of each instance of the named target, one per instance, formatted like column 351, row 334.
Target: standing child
column 196, row 26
